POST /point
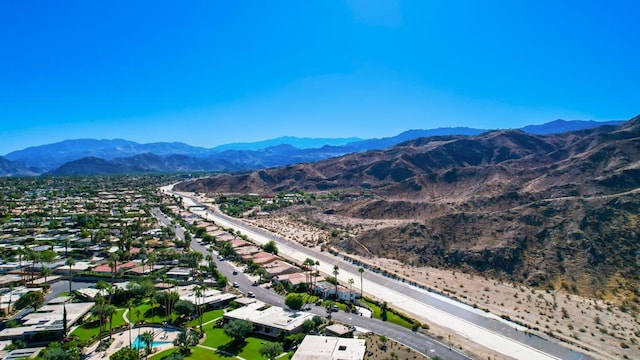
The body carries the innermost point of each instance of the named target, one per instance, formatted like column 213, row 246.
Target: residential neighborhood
column 88, row 270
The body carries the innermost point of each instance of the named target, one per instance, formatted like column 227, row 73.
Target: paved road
column 55, row 290
column 416, row 341
column 487, row 329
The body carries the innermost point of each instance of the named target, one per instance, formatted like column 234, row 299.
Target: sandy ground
column 389, row 349
column 303, row 233
column 606, row 330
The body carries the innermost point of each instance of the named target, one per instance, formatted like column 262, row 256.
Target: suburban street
column 503, row 337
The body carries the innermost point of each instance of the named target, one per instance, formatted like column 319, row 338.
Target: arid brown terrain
column 557, row 211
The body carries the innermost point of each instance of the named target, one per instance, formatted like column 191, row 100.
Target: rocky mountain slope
column 13, row 168
column 140, row 164
column 557, row 210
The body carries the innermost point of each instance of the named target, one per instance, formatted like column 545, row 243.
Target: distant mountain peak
column 262, row 154
column 560, row 126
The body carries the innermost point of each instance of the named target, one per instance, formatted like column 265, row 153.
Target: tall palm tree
column 361, row 271
column 30, row 256
column 70, row 262
column 101, row 285
column 138, row 314
column 308, row 266
column 195, row 257
column 152, row 260
column 10, row 295
column 146, row 338
column 336, row 271
column 129, row 306
column 199, row 292
column 350, row 289
column 98, row 311
column 21, row 253
column 113, row 264
column 109, row 311
column 35, row 259
column 172, row 298
column 45, row 271
column 66, row 246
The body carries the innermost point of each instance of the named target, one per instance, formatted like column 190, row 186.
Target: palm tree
column 308, row 266
column 195, row 257
column 361, row 271
column 336, row 271
column 31, row 255
column 98, row 311
column 146, row 338
column 113, row 264
column 152, row 303
column 109, row 311
column 101, row 285
column 45, row 271
column 129, row 306
column 138, row 313
column 151, row 260
column 35, row 259
column 10, row 294
column 70, row 262
column 185, row 340
column 199, row 291
column 66, row 246
column 21, row 252
column 172, row 299
column 350, row 289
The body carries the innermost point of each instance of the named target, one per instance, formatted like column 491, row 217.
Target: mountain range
column 556, row 210
column 96, row 157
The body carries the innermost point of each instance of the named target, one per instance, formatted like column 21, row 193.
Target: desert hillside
column 549, row 211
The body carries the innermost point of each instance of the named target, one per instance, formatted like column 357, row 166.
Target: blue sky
column 213, row 72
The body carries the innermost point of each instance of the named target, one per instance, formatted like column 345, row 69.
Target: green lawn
column 341, row 306
column 391, row 317
column 162, row 354
column 216, row 338
column 117, row 318
column 206, row 354
column 155, row 316
column 250, row 350
column 208, row 316
column 308, row 298
column 92, row 327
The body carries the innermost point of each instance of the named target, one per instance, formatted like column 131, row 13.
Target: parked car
column 251, row 294
column 235, row 272
column 235, row 284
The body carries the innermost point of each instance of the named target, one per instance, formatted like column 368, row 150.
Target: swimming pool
column 138, row 344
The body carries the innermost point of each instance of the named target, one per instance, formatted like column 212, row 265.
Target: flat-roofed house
column 279, row 267
column 315, row 347
column 270, row 320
